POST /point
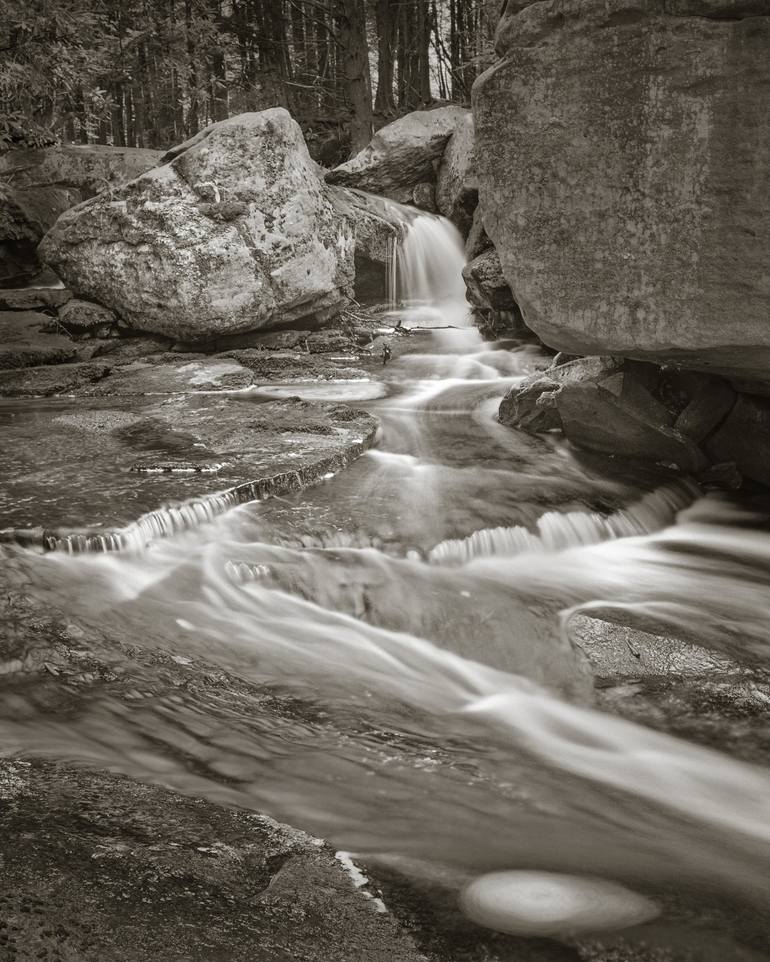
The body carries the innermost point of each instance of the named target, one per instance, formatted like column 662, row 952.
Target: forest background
column 151, row 73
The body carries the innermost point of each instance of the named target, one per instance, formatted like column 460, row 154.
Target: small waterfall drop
column 429, row 261
column 424, row 265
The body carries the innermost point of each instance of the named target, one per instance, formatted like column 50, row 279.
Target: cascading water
column 381, row 659
column 424, row 267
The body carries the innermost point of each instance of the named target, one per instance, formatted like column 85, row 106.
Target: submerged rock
column 401, row 155
column 234, row 232
column 623, row 155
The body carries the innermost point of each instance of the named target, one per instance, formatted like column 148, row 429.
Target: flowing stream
column 386, row 656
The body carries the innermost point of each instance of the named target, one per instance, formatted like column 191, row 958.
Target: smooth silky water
column 390, row 648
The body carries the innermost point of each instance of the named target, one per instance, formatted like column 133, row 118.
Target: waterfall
column 429, row 262
column 557, row 531
column 424, row 262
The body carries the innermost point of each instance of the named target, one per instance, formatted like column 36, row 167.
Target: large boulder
column 457, row 188
column 402, row 155
column 623, row 155
column 49, row 180
column 233, row 233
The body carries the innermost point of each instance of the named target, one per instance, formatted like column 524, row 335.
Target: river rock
column 532, row 407
column 711, row 399
column 401, row 154
column 50, row 180
column 234, row 232
column 744, row 438
column 25, row 343
column 614, row 406
column 619, row 652
column 457, row 188
column 487, row 288
column 85, row 316
column 623, row 156
column 614, row 418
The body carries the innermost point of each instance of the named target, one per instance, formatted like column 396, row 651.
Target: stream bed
column 411, row 610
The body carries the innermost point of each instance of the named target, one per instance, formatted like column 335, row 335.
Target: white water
column 425, row 268
column 447, row 719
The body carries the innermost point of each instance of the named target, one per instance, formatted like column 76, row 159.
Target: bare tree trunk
column 350, row 16
column 423, row 25
column 193, row 110
column 387, row 28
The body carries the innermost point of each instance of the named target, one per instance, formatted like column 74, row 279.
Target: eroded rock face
column 624, row 174
column 486, row 286
column 233, row 233
column 402, row 154
column 457, row 189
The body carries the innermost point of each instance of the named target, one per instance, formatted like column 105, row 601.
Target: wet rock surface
column 97, row 867
column 678, row 686
column 217, row 448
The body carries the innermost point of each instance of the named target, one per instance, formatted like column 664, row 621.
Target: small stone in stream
column 722, row 477
column 486, row 286
column 532, row 408
column 176, row 466
column 423, row 196
column 551, row 904
column 80, row 315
